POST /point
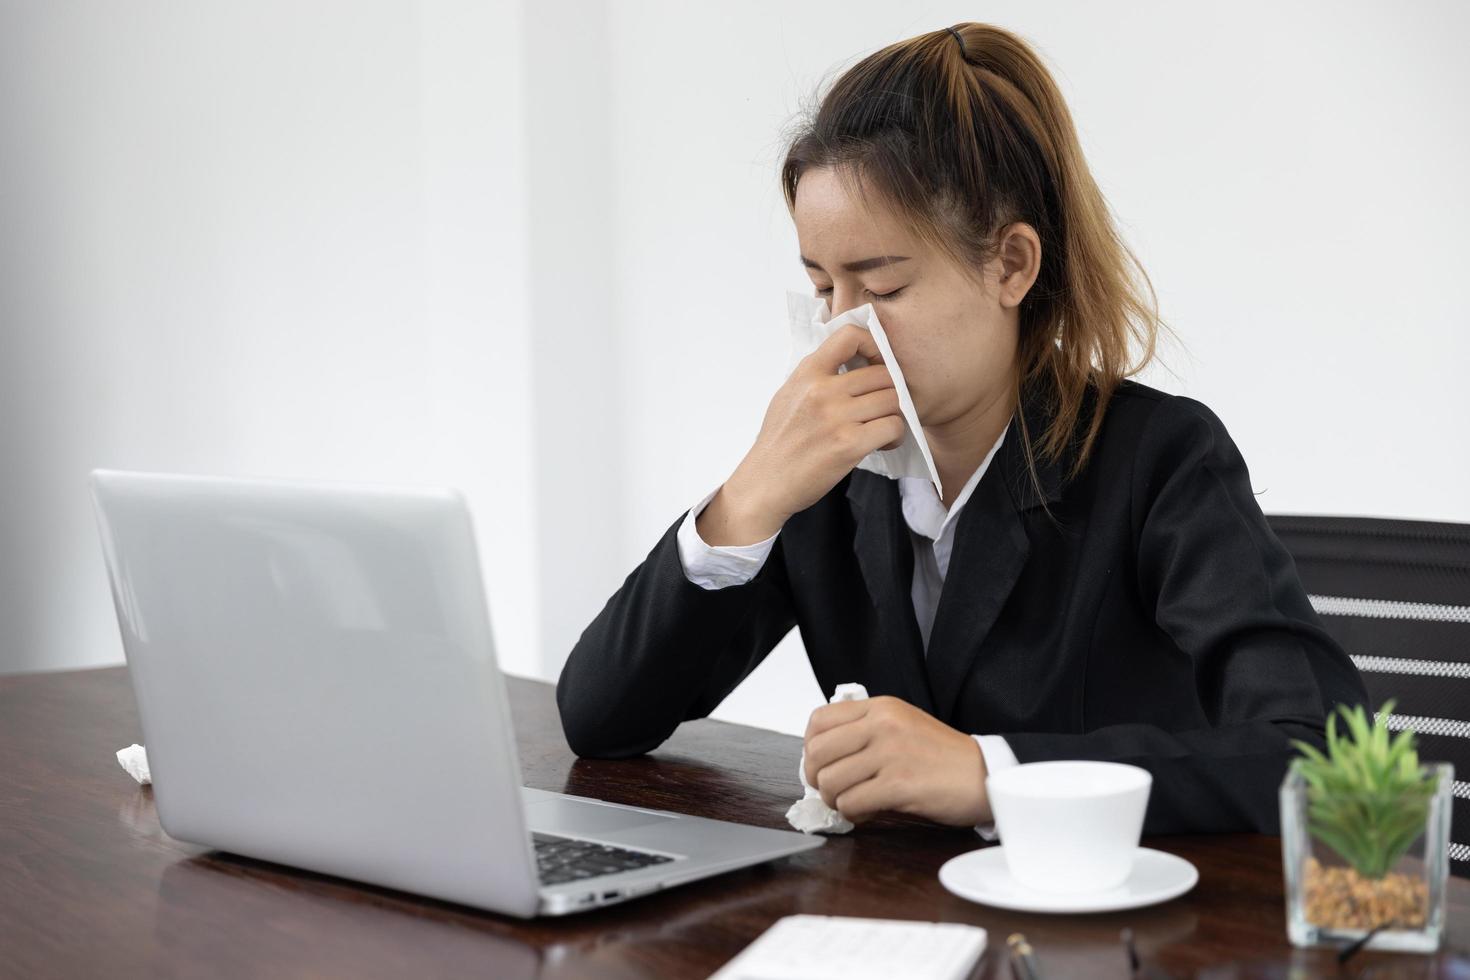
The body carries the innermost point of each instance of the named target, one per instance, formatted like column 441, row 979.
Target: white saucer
column 982, row 876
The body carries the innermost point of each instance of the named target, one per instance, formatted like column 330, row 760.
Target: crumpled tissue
column 810, row 326
column 810, row 814
column 134, row 759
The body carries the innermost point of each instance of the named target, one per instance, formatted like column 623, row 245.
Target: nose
column 843, row 299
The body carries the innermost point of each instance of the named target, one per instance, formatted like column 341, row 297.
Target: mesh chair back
column 1396, row 595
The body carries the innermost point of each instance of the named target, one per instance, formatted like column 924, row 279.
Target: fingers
column 886, row 432
column 874, row 405
column 843, row 345
column 862, row 801
column 837, row 779
column 831, row 745
column 850, row 755
column 832, row 715
column 860, row 381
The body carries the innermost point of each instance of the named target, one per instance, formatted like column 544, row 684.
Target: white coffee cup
column 1069, row 827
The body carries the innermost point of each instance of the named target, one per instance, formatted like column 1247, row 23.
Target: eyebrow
column 862, row 265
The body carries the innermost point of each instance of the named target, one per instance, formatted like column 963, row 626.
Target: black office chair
column 1396, row 595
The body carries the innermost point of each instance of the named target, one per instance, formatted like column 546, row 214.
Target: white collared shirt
column 931, row 532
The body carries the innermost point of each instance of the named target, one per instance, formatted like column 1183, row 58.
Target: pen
column 1136, row 965
column 1023, row 961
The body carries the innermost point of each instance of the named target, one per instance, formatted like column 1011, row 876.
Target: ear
column 1020, row 257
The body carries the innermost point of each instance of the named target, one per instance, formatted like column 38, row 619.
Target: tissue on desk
column 810, row 814
column 134, row 759
column 809, row 327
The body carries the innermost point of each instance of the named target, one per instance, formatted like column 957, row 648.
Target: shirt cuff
column 997, row 755
column 717, row 566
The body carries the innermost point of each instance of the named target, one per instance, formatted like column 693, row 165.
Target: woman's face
column 955, row 338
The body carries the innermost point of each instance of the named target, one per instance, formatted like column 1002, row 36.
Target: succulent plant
column 1368, row 796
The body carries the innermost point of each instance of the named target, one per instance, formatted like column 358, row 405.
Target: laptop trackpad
column 579, row 816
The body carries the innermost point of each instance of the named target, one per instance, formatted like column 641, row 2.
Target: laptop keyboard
column 560, row 859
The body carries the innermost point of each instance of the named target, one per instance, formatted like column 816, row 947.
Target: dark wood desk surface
column 91, row 886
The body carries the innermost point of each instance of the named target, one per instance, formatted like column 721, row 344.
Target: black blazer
column 1153, row 619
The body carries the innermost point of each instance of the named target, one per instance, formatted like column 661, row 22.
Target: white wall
column 578, row 428
column 539, row 250
column 266, row 239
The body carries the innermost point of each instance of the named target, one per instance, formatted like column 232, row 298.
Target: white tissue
column 810, row 814
column 809, row 327
column 134, row 759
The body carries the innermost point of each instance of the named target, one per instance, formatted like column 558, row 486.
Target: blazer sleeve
column 1226, row 591
column 665, row 650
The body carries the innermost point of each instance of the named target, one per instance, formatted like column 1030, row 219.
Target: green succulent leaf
column 1368, row 795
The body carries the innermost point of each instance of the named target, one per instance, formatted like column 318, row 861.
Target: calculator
column 835, row 947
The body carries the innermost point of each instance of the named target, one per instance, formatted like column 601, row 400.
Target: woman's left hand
column 883, row 753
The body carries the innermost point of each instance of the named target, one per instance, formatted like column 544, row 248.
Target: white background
column 538, row 251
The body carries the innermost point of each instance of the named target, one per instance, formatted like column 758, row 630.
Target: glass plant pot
column 1328, row 903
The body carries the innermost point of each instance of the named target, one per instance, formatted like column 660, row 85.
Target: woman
column 1098, row 581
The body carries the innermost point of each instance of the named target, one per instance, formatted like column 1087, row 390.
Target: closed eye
column 824, row 290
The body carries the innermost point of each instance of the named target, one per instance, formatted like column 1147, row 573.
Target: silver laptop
column 317, row 686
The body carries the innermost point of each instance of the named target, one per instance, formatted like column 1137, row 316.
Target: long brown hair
column 964, row 131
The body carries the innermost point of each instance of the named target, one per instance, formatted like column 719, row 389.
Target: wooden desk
column 91, row 886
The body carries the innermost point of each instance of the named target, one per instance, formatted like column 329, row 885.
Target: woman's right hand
column 819, row 425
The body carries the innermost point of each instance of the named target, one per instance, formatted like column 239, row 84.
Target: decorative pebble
column 1340, row 898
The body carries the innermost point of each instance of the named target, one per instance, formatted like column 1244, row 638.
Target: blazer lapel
column 885, row 555
column 990, row 550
